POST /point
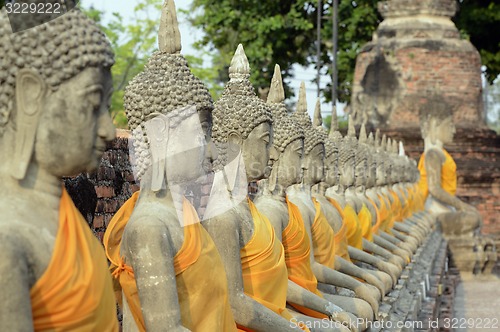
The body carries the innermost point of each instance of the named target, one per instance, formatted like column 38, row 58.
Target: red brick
column 104, row 191
column 98, row 221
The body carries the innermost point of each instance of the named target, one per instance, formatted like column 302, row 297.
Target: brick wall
column 477, row 155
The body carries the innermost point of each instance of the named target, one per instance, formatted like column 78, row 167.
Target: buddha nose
column 273, row 154
column 106, row 129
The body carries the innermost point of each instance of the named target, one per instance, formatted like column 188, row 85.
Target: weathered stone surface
column 416, row 54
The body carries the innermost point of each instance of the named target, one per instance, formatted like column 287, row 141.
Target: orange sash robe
column 375, row 228
column 354, row 235
column 75, row 293
column 365, row 221
column 448, row 175
column 385, row 214
column 297, row 257
column 322, row 238
column 265, row 276
column 200, row 275
column 340, row 238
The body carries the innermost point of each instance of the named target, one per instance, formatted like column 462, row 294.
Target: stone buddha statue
column 253, row 256
column 320, row 233
column 347, row 167
column 170, row 272
column 366, row 212
column 380, row 194
column 459, row 221
column 54, row 122
column 288, row 140
column 334, row 214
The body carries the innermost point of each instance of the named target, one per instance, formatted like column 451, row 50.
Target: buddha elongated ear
column 157, row 131
column 30, row 91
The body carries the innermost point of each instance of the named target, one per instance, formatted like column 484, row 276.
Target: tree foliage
column 132, row 44
column 284, row 32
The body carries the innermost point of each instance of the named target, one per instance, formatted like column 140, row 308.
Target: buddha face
column 290, row 163
column 372, row 175
column 380, row 174
column 75, row 125
column 332, row 169
column 347, row 173
column 313, row 165
column 360, row 173
column 186, row 151
column 255, row 149
column 445, row 131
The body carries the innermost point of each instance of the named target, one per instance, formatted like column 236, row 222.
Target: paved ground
column 477, row 305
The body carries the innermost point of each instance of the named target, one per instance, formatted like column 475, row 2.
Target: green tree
column 132, row 44
column 478, row 20
column 284, row 32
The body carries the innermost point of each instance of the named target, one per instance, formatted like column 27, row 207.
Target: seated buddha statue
column 166, row 263
column 384, row 202
column 335, row 216
column 288, row 140
column 392, row 198
column 347, row 167
column 54, row 122
column 253, row 256
column 319, row 231
column 460, row 222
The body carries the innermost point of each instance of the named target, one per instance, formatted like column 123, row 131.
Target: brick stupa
column 416, row 59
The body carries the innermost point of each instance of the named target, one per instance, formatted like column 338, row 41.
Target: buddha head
column 362, row 155
column 55, row 89
column 372, row 162
column 436, row 123
column 331, row 176
column 288, row 138
column 347, row 160
column 314, row 151
column 242, row 122
column 380, row 144
column 168, row 111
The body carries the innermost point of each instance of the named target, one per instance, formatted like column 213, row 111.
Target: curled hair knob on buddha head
column 312, row 136
column 285, row 130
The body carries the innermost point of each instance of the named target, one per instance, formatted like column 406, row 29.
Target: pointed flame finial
column 383, row 143
column 240, row 67
column 302, row 103
column 371, row 140
column 402, row 152
column 276, row 91
column 334, row 126
column 318, row 119
column 351, row 131
column 362, row 134
column 169, row 37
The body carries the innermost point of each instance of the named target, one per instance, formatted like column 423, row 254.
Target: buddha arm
column 246, row 311
column 392, row 247
column 154, row 273
column 301, row 296
column 433, row 165
column 376, row 262
column 349, row 268
column 329, row 276
column 15, row 308
column 378, row 250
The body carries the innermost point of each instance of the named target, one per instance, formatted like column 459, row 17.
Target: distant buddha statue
column 321, row 234
column 169, row 270
column 253, row 256
column 55, row 88
column 339, row 193
column 288, row 138
column 459, row 221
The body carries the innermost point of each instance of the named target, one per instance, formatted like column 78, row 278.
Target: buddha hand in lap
column 54, row 122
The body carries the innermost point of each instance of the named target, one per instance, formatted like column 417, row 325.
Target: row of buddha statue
column 334, row 222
